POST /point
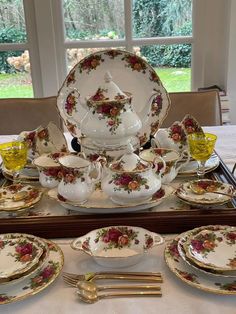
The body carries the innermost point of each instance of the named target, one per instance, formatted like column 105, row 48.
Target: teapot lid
column 130, row 162
column 109, row 91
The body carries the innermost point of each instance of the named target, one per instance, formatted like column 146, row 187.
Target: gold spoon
column 92, row 287
column 19, row 196
column 200, row 191
column 92, row 297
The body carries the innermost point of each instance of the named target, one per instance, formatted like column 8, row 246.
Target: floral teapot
column 110, row 119
column 131, row 180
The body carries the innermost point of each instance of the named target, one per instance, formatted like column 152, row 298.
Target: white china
column 11, row 203
column 100, row 203
column 45, row 275
column 185, row 193
column 77, row 184
column 50, row 172
column 187, row 235
column 93, row 152
column 117, row 246
column 213, row 249
column 172, row 159
column 18, row 255
column 131, row 73
column 194, row 277
column 130, row 179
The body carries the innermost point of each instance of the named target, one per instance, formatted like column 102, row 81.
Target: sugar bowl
column 130, row 180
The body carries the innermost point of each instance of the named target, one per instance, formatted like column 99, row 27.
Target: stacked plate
column 28, row 265
column 17, row 198
column 205, row 258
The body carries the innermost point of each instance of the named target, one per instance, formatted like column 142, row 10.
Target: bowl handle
column 157, row 239
column 79, row 244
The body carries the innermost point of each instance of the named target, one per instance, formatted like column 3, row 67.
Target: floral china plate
column 24, row 251
column 37, row 281
column 194, row 277
column 131, row 73
column 18, row 196
column 117, row 246
column 26, row 175
column 213, row 249
column 100, row 203
column 187, row 235
column 185, row 193
column 18, row 255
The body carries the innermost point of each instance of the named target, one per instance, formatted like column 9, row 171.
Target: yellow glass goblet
column 14, row 156
column 201, row 146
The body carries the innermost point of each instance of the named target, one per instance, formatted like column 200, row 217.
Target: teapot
column 131, row 180
column 110, row 120
column 77, row 183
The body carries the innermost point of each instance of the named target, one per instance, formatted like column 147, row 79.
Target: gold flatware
column 92, row 287
column 138, row 276
column 19, row 196
column 200, row 191
column 92, row 297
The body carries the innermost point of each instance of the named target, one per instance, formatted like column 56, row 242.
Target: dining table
column 177, row 297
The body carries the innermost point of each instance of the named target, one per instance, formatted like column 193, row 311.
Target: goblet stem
column 15, row 177
column 201, row 169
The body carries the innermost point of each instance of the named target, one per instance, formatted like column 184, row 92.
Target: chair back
column 203, row 105
column 25, row 114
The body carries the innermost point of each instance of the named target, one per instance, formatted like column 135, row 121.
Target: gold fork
column 137, row 276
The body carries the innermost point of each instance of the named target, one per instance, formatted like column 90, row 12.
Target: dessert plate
column 36, row 282
column 99, row 202
column 18, row 196
column 213, row 249
column 182, row 253
column 185, row 193
column 18, row 255
column 131, row 73
column 194, row 277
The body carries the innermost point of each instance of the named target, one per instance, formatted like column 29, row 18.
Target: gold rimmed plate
column 38, row 280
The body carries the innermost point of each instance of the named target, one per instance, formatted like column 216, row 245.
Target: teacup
column 77, row 183
column 50, row 171
column 174, row 161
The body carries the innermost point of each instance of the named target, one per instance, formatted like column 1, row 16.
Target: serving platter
column 131, row 73
column 36, row 282
column 99, row 203
column 195, row 277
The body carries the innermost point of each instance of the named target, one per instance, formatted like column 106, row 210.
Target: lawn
column 19, row 85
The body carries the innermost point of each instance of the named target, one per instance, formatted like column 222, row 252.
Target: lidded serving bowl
column 130, row 179
column 111, row 119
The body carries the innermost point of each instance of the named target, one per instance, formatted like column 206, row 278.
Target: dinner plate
column 182, row 253
column 38, row 281
column 185, row 193
column 191, row 168
column 131, row 73
column 100, row 203
column 213, row 249
column 33, row 196
column 18, row 255
column 22, row 275
column 195, row 277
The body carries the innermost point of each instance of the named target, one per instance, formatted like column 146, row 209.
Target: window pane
column 172, row 63
column 92, row 19
column 15, row 78
column 12, row 22
column 74, row 55
column 160, row 18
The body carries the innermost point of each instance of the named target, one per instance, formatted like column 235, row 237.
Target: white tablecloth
column 178, row 297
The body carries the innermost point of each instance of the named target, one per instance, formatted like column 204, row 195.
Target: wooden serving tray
column 174, row 221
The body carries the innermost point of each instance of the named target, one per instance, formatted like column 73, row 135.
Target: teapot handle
column 98, row 167
column 183, row 154
column 155, row 162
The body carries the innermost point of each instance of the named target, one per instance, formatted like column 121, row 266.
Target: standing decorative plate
column 194, row 277
column 132, row 73
column 38, row 281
